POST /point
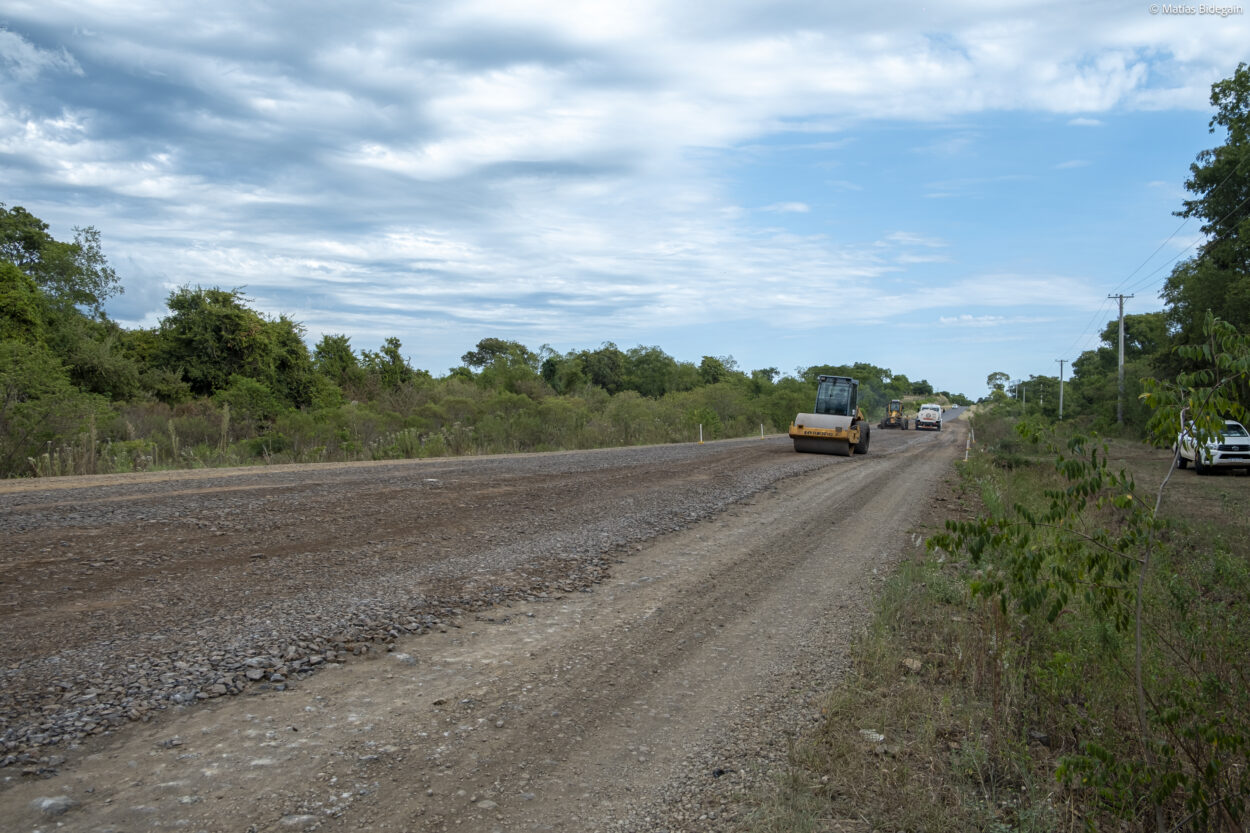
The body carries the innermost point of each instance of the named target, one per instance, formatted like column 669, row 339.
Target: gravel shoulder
column 593, row 641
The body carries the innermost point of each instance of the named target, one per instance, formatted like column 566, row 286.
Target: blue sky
column 944, row 190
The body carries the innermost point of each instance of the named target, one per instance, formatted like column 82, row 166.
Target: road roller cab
column 836, row 425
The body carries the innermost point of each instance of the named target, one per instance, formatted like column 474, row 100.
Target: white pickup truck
column 930, row 417
column 1230, row 449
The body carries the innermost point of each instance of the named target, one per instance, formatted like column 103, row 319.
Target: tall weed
column 1145, row 704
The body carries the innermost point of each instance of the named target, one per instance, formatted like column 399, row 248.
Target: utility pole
column 1119, row 402
column 1061, row 361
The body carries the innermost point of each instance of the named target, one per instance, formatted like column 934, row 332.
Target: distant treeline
column 218, row 383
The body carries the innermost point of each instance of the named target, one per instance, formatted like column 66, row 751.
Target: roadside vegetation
column 1069, row 653
column 997, row 687
column 217, row 383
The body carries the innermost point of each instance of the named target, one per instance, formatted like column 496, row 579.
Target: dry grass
column 936, row 729
column 914, row 739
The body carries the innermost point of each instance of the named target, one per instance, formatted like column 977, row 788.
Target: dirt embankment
column 727, row 580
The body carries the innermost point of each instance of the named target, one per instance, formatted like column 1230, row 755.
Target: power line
column 1155, row 252
column 1184, row 223
column 1145, row 282
column 1085, row 330
column 1195, row 243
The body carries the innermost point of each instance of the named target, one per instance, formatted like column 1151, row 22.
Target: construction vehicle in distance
column 838, row 425
column 894, row 417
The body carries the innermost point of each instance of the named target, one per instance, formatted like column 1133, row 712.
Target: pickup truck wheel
column 1182, row 463
column 1199, row 467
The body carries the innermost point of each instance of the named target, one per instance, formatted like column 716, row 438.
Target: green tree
column 605, row 367
column 564, row 374
column 630, row 416
column 1094, row 387
column 1145, row 336
column 713, row 369
column 389, row 365
column 685, row 377
column 39, row 405
column 251, row 402
column 212, row 335
column 650, row 371
column 1043, row 396
column 292, row 371
column 22, row 311
column 494, row 351
column 334, row 358
column 788, row 397
column 1218, row 278
column 158, row 380
column 898, row 387
column 1198, row 285
column 74, row 273
column 506, row 365
column 1097, row 558
column 762, row 381
column 93, row 353
column 1220, row 177
column 44, row 284
column 1201, row 399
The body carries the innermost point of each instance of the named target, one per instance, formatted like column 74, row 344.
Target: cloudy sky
column 942, row 189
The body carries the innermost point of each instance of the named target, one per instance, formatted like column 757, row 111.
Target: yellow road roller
column 837, row 425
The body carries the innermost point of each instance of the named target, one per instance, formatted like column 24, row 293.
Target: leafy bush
column 41, row 409
column 1118, row 634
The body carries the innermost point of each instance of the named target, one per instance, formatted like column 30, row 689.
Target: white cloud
column 948, row 146
column 989, row 321
column 788, row 207
column 563, row 167
column 25, row 62
column 906, row 238
column 909, row 259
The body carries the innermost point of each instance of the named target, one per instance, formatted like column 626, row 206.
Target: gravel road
column 608, row 640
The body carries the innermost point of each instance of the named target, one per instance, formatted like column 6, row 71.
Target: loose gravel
column 125, row 596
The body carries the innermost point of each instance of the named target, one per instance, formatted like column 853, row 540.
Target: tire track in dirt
column 123, row 595
column 596, row 711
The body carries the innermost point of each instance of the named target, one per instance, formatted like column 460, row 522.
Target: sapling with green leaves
column 1086, row 554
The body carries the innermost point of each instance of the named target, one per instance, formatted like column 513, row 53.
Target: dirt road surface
column 610, row 640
